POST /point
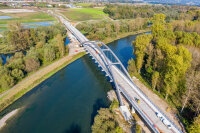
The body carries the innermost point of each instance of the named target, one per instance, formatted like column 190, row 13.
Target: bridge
column 155, row 119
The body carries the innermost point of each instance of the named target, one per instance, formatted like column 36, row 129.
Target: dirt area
column 160, row 103
column 16, row 10
column 8, row 116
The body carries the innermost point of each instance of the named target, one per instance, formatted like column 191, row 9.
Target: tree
column 173, row 73
column 18, row 37
column 108, row 30
column 131, row 67
column 17, row 74
column 1, row 61
column 141, row 43
column 60, row 44
column 114, row 104
column 116, row 27
column 49, row 53
column 6, row 81
column 15, row 63
column 104, row 122
column 155, row 78
column 195, row 127
column 159, row 18
column 31, row 64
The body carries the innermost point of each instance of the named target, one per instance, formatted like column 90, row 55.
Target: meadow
column 85, row 14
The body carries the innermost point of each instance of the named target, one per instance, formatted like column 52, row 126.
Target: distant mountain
column 183, row 2
column 188, row 2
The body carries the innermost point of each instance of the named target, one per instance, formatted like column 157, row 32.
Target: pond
column 5, row 17
column 30, row 25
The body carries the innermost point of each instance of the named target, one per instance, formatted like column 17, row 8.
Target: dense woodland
column 100, row 30
column 32, row 48
column 133, row 11
column 169, row 61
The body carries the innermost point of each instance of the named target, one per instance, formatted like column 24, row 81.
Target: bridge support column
column 119, row 96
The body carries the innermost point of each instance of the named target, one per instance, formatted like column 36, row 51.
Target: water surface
column 68, row 101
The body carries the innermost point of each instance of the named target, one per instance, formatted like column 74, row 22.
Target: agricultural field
column 28, row 17
column 85, row 14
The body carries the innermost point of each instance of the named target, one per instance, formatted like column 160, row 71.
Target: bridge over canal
column 156, row 120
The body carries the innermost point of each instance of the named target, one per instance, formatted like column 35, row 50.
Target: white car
column 166, row 123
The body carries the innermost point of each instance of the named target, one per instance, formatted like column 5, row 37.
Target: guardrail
column 140, row 112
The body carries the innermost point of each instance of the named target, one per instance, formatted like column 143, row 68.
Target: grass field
column 25, row 18
column 84, row 4
column 85, row 14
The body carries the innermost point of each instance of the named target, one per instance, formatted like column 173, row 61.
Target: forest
column 100, row 30
column 135, row 11
column 169, row 60
column 31, row 48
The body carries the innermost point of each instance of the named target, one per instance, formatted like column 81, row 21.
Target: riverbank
column 6, row 117
column 35, row 79
column 109, row 40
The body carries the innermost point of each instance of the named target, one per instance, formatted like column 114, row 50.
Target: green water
column 68, row 101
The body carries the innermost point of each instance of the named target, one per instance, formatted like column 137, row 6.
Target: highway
column 124, row 84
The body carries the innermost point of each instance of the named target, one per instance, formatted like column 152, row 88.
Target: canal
column 68, row 101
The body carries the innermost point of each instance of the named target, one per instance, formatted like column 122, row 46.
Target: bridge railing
column 150, row 103
column 140, row 112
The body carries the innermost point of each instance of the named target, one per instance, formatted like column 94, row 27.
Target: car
column 159, row 115
column 137, row 100
column 166, row 123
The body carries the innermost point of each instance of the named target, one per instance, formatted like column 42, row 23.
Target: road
column 146, row 109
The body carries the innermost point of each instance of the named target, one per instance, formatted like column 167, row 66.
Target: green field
column 84, row 4
column 25, row 18
column 85, row 14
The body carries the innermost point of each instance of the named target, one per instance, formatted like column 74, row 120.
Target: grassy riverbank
column 39, row 77
column 109, row 40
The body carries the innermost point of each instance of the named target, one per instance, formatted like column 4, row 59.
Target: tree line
column 100, row 30
column 147, row 11
column 35, row 47
column 170, row 62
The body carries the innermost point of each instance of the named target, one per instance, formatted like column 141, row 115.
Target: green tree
column 154, row 80
column 17, row 74
column 159, row 18
column 49, row 53
column 1, row 61
column 60, row 44
column 131, row 67
column 195, row 127
column 138, row 128
column 6, row 81
column 173, row 70
column 141, row 43
column 114, row 104
column 104, row 122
